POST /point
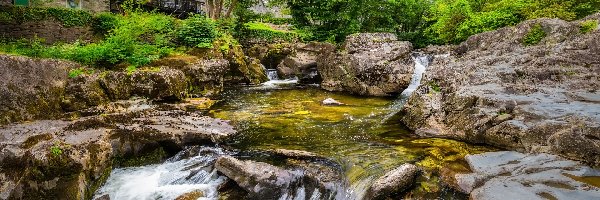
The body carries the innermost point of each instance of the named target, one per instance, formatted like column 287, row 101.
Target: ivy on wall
column 68, row 17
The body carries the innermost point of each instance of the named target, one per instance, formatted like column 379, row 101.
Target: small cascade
column 189, row 171
column 272, row 74
column 421, row 63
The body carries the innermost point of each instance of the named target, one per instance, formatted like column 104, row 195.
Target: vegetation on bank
column 135, row 38
column 425, row 22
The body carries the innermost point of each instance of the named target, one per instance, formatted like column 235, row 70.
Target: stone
column 494, row 90
column 71, row 159
column 331, row 102
column 193, row 195
column 393, row 182
column 373, row 64
column 298, row 154
column 83, row 91
column 160, row 84
column 32, row 88
column 526, row 176
column 261, row 180
column 303, row 63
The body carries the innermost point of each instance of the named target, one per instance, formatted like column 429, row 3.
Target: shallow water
column 352, row 135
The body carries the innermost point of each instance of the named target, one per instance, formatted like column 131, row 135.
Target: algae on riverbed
column 352, row 135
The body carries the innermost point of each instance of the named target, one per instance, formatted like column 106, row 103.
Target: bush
column 104, row 22
column 263, row 31
column 534, row 36
column 588, row 26
column 68, row 17
column 197, row 31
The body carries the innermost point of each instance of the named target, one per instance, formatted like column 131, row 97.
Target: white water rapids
column 169, row 180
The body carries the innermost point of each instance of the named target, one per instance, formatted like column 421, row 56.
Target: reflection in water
column 351, row 135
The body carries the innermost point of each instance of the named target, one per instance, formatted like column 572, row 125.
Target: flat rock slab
column 512, row 175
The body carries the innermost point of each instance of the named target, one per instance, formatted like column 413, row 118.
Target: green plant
column 56, row 150
column 68, row 17
column 104, row 22
column 263, row 31
column 75, row 72
column 131, row 69
column 588, row 26
column 434, row 86
column 534, row 36
column 197, row 31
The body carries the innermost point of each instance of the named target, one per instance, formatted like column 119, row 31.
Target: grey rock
column 164, row 84
column 526, row 176
column 393, row 182
column 492, row 89
column 331, row 102
column 375, row 64
column 261, row 180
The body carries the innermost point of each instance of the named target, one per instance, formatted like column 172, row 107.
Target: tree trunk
column 231, row 7
column 219, row 9
column 210, row 5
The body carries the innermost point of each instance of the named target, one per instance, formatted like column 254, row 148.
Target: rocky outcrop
column 493, row 89
column 393, row 182
column 56, row 159
column 526, row 176
column 266, row 181
column 205, row 76
column 374, row 64
column 31, row 88
column 161, row 84
column 303, row 62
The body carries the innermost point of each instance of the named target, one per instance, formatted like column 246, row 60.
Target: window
column 73, row 3
column 21, row 2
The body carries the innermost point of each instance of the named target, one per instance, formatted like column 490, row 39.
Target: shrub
column 104, row 22
column 68, row 17
column 263, row 31
column 588, row 26
column 534, row 36
column 197, row 31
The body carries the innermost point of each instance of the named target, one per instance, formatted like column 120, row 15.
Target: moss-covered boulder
column 82, row 92
column 155, row 83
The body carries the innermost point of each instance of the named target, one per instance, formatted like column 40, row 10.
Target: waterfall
column 421, row 61
column 272, row 74
column 190, row 170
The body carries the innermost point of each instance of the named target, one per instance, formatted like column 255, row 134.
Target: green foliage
column 534, row 36
column 68, row 17
column 435, row 87
column 264, row 31
column 104, row 22
column 588, row 26
column 56, row 150
column 197, row 31
column 73, row 73
column 131, row 69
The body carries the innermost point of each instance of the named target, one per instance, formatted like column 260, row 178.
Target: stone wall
column 49, row 30
column 89, row 5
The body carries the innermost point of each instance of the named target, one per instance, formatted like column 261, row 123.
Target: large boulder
column 303, row 179
column 493, row 89
column 156, row 83
column 205, row 76
column 56, row 159
column 393, row 182
column 303, row 62
column 526, row 176
column 369, row 64
column 83, row 91
column 31, row 88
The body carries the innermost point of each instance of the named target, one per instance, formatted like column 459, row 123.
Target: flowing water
column 280, row 115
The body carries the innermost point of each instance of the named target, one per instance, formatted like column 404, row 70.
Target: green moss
column 68, row 17
column 33, row 140
column 588, row 26
column 435, row 87
column 534, row 36
column 153, row 157
column 265, row 32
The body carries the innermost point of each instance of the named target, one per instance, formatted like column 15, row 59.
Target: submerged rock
column 331, row 102
column 374, row 64
column 393, row 182
column 493, row 89
column 526, row 176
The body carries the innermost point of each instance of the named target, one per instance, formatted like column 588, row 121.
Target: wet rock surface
column 375, row 64
column 493, row 89
column 303, row 62
column 393, row 182
column 513, row 175
column 265, row 181
column 70, row 159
